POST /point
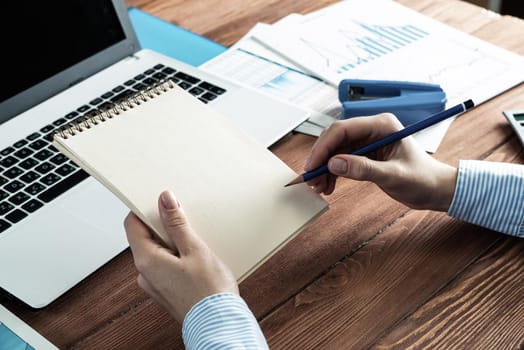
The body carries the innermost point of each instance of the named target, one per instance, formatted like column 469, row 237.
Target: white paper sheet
column 249, row 63
column 381, row 39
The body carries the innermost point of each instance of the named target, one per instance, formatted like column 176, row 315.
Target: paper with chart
column 381, row 39
column 250, row 63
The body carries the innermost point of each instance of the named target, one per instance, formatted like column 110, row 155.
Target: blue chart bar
column 381, row 41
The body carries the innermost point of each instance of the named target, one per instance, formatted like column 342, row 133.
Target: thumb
column 175, row 223
column 358, row 168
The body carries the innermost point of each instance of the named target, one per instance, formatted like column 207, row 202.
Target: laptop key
column 213, row 88
column 35, row 188
column 49, row 137
column 3, row 180
column 59, row 122
column 209, row 96
column 38, row 144
column 20, row 143
column 18, row 198
column 50, row 179
column 71, row 115
column 5, row 208
column 184, row 85
column 139, row 86
column 14, row 186
column 62, row 186
column 3, row 195
column 47, row 128
column 6, row 151
column 28, row 163
column 149, row 81
column 23, row 153
column 83, row 108
column 15, row 216
column 43, row 154
column 168, row 70
column 29, row 177
column 189, row 78
column 118, row 88
column 196, row 91
column 4, row 225
column 13, row 172
column 58, row 159
column 159, row 76
column 44, row 168
column 32, row 205
column 65, row 170
column 105, row 106
column 33, row 136
column 8, row 161
column 96, row 101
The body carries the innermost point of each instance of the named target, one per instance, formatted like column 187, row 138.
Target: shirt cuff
column 491, row 195
column 222, row 321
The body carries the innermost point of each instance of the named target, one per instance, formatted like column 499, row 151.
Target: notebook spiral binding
column 73, row 128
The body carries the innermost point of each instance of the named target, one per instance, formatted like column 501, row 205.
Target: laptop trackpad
column 84, row 233
column 95, row 206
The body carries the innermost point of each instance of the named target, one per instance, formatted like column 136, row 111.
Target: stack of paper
column 250, row 63
column 306, row 56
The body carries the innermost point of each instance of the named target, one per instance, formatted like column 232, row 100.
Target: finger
column 360, row 168
column 326, row 143
column 139, row 237
column 343, row 135
column 323, row 184
column 176, row 224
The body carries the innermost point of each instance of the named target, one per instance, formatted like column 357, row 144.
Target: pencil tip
column 297, row 180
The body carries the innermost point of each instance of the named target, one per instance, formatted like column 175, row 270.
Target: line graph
column 362, row 42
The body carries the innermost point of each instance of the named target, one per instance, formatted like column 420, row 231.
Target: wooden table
column 370, row 273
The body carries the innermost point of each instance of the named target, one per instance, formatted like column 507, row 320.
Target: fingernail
column 339, row 166
column 168, row 200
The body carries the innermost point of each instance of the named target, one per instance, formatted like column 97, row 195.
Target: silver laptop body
column 55, row 231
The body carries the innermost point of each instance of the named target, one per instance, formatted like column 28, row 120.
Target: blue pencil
column 396, row 136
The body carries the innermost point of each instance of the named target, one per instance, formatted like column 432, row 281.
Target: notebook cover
column 230, row 186
column 171, row 40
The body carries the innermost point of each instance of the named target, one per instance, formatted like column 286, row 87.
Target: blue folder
column 156, row 34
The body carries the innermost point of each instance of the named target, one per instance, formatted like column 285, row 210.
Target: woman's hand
column 180, row 276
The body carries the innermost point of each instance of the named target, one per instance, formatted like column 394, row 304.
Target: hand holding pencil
column 394, row 161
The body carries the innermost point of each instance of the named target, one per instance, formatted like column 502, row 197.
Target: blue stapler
column 409, row 101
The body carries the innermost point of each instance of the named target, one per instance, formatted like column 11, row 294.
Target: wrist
column 445, row 188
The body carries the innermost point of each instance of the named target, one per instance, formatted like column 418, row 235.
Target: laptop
column 57, row 224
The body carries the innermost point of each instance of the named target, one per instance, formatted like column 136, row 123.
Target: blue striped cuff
column 222, row 321
column 490, row 194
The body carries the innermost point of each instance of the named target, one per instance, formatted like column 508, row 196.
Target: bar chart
column 381, row 40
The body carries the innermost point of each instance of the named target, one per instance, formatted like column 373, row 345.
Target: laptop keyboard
column 33, row 172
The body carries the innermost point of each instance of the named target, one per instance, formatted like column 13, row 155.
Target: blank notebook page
column 230, row 187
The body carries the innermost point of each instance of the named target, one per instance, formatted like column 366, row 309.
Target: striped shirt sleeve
column 222, row 321
column 491, row 195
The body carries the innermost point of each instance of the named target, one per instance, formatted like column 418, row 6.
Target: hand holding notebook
column 231, row 186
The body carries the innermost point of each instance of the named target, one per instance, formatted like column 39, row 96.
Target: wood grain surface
column 368, row 274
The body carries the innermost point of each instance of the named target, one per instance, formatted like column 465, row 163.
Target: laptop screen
column 58, row 37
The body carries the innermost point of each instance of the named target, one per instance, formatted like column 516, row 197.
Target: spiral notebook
column 230, row 186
